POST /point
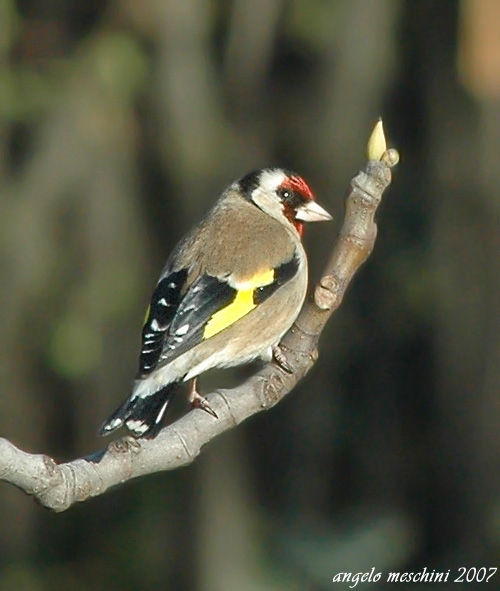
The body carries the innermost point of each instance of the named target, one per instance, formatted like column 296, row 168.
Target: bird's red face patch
column 295, row 192
column 298, row 185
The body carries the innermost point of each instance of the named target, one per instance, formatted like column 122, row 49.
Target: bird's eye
column 284, row 194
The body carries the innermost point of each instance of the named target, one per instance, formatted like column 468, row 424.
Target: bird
column 230, row 290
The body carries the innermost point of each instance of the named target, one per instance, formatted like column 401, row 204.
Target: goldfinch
column 230, row 290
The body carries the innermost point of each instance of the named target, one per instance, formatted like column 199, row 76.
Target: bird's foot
column 198, row 401
column 280, row 359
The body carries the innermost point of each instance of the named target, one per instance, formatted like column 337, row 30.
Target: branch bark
column 58, row 486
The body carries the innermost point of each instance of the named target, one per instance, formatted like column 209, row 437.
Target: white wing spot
column 114, row 424
column 161, row 413
column 155, row 325
column 172, row 285
column 138, row 427
column 182, row 330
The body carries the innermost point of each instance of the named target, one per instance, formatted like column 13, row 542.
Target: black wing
column 164, row 303
column 169, row 311
column 205, row 297
column 173, row 329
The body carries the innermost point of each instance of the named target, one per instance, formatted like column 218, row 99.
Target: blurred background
column 120, row 122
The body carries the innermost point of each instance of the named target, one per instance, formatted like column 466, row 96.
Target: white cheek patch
column 268, row 202
column 265, row 197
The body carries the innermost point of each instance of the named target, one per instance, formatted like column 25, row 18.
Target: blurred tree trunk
column 228, row 540
column 71, row 277
column 464, row 255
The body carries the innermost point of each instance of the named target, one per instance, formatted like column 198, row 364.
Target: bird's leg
column 280, row 359
column 197, row 401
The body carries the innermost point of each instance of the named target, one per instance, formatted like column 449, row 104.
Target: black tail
column 142, row 416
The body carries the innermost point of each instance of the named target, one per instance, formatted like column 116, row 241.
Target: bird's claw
column 198, row 401
column 280, row 359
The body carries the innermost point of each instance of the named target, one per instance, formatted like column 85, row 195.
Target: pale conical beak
column 312, row 212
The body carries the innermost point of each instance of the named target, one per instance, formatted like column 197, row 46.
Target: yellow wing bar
column 242, row 304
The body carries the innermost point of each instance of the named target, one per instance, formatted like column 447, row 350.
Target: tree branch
column 59, row 486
